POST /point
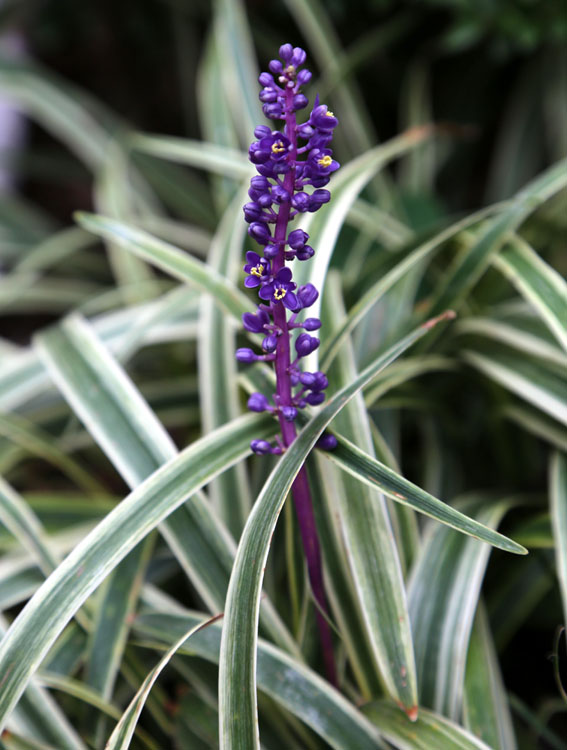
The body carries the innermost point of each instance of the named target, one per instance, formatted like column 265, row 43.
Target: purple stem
column 300, row 488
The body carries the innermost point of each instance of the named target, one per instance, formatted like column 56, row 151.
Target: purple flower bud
column 262, row 447
column 262, row 184
column 299, row 169
column 262, row 131
column 246, row 355
column 265, row 79
column 270, row 343
column 300, row 101
column 320, row 140
column 321, row 196
column 305, row 253
column 307, row 294
column 315, row 398
column 307, row 379
column 303, row 77
column 289, row 413
column 252, row 212
column 305, row 344
column 273, row 110
column 258, row 402
column 275, row 66
column 297, row 238
column 286, row 52
column 257, row 154
column 294, row 376
column 255, row 323
column 259, row 232
column 265, row 200
column 305, row 131
column 279, row 194
column 318, row 197
column 301, row 201
column 299, row 56
column 319, row 182
column 320, row 381
column 327, row 442
column 312, row 324
column 268, row 95
column 270, row 251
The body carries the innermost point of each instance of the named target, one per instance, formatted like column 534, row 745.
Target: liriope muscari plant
column 293, row 165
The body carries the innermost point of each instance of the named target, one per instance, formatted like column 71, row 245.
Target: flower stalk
column 278, row 194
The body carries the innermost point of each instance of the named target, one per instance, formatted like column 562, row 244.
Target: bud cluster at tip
column 293, row 168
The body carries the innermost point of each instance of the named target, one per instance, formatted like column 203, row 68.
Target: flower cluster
column 293, row 168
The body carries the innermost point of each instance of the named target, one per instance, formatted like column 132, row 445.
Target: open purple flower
column 321, row 162
column 277, row 145
column 258, row 268
column 281, row 289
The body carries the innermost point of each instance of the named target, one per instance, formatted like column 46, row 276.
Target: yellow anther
column 325, row 161
column 290, row 71
column 279, row 293
column 329, row 113
column 278, row 147
column 257, row 271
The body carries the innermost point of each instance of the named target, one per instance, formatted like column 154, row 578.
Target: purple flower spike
column 293, row 163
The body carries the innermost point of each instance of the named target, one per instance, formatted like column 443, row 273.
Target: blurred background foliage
column 492, row 74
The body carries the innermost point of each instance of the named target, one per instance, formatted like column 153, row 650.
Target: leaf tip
column 411, row 712
column 519, row 549
column 80, row 216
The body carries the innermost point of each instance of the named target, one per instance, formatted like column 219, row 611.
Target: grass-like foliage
column 140, row 534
